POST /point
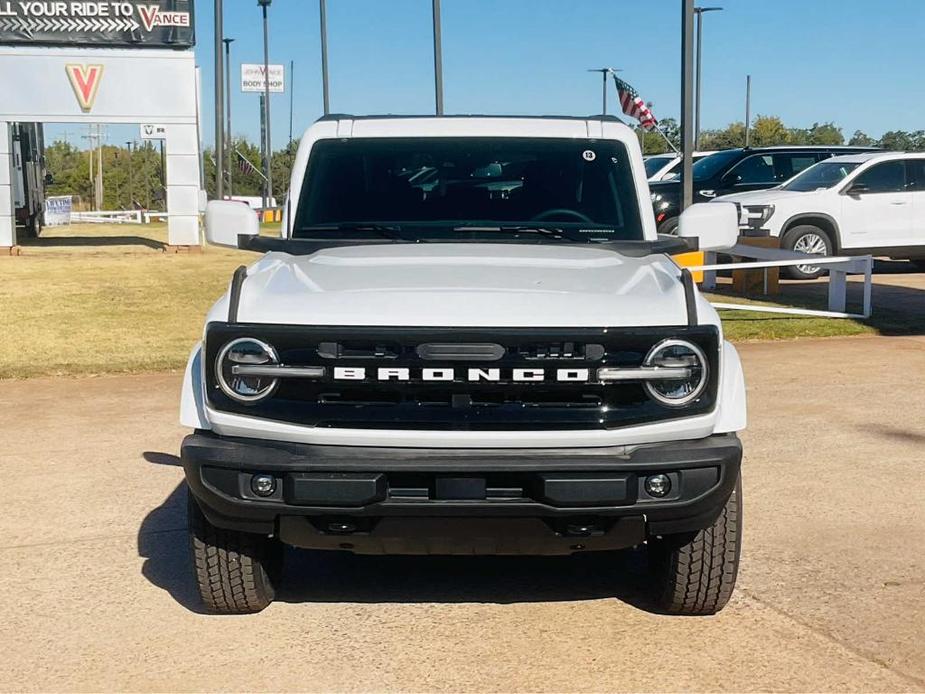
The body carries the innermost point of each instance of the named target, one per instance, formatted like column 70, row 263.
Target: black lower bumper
column 460, row 501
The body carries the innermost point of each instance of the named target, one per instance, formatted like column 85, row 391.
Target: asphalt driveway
column 97, row 592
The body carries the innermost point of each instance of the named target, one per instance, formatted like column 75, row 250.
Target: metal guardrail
column 839, row 268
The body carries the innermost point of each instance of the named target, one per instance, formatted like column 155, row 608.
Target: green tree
column 823, row 134
column 861, row 139
column 733, row 135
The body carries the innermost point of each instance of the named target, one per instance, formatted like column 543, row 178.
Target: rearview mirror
column 226, row 220
column 715, row 225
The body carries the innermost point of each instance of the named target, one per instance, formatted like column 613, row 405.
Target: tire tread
column 698, row 577
column 233, row 569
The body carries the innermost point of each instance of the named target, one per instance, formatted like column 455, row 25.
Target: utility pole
column 699, row 12
column 438, row 59
column 687, row 102
column 229, row 139
column 131, row 176
column 90, row 137
column 322, row 7
column 99, row 167
column 605, row 73
column 264, row 4
column 748, row 109
column 219, row 104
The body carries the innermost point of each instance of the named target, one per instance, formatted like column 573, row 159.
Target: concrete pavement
column 98, row 596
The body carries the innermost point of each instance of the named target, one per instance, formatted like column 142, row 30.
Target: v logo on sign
column 85, row 81
column 149, row 15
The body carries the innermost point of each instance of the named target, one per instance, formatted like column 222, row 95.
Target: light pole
column 687, row 102
column 219, row 105
column 605, row 73
column 438, row 59
column 748, row 109
column 264, row 4
column 699, row 12
column 229, row 141
column 322, row 8
column 131, row 177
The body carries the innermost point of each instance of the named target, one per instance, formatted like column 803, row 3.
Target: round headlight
column 244, row 352
column 677, row 354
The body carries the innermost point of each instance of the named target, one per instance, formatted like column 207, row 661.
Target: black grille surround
column 460, row 405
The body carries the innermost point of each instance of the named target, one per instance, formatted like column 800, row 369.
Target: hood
column 760, row 197
column 466, row 285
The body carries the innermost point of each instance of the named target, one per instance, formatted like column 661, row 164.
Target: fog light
column 263, row 485
column 658, row 485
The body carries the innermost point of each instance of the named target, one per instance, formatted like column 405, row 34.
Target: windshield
column 713, row 164
column 655, row 164
column 432, row 186
column 823, row 175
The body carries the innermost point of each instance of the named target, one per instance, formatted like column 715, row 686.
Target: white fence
column 107, row 217
column 839, row 268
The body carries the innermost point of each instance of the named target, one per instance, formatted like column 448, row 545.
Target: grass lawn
column 91, row 299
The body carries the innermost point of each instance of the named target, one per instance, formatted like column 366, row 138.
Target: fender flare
column 192, row 395
column 732, row 412
column 802, row 216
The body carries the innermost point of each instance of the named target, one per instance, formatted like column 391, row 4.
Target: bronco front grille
column 459, row 404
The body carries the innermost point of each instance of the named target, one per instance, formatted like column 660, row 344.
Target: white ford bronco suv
column 467, row 339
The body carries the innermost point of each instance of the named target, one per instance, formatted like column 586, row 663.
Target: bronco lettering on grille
column 360, row 373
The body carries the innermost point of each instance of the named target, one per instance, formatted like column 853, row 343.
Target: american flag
column 633, row 105
column 244, row 164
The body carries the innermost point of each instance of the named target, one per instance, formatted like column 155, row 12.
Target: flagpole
column 250, row 167
column 667, row 141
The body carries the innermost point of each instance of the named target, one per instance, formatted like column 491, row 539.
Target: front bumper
column 452, row 501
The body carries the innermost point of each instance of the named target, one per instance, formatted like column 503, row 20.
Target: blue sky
column 854, row 62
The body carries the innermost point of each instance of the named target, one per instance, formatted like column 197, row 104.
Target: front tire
column 235, row 571
column 695, row 575
column 807, row 238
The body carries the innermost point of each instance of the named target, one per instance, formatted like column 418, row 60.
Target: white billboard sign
column 252, row 78
column 58, row 210
column 153, row 131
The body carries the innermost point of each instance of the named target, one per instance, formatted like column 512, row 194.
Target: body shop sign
column 118, row 23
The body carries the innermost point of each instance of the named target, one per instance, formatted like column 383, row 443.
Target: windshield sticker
column 588, row 155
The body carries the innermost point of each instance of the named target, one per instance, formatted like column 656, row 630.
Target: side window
column 888, row 177
column 915, row 175
column 789, row 165
column 758, row 168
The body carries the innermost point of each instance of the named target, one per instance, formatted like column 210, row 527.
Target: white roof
column 878, row 156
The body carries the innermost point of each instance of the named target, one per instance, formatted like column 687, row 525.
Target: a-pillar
column 7, row 221
column 182, row 152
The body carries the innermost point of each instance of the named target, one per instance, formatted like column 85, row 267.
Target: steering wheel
column 556, row 211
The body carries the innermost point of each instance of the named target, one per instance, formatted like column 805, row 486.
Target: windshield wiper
column 551, row 232
column 388, row 231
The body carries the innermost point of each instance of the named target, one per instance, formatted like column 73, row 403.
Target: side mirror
column 732, row 179
column 226, row 220
column 856, row 189
column 715, row 225
column 49, row 179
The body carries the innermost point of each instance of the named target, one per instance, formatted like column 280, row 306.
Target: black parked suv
column 738, row 171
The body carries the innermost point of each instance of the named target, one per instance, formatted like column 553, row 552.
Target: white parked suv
column 468, row 339
column 855, row 204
